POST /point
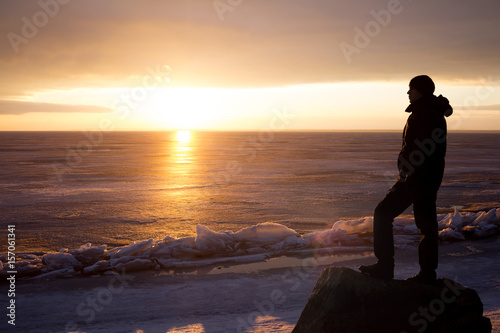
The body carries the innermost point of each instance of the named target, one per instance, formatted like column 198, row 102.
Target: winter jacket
column 421, row 160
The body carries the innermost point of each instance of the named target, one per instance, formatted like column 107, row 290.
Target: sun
column 183, row 137
column 185, row 108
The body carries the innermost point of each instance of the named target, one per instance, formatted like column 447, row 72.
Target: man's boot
column 380, row 270
column 424, row 276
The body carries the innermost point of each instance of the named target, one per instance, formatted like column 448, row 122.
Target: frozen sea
column 204, row 226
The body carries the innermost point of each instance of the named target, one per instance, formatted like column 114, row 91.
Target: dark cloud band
column 21, row 107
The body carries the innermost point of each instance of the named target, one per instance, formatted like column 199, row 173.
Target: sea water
column 65, row 189
column 150, row 231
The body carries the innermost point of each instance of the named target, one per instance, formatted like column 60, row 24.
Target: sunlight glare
column 182, row 147
column 192, row 328
column 184, row 108
column 183, row 137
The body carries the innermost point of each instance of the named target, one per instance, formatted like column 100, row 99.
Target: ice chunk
column 355, row 226
column 135, row 265
column 489, row 217
column 60, row 260
column 23, row 263
column 453, row 220
column 263, row 233
column 456, row 221
column 445, row 222
column 327, row 237
column 88, row 250
column 169, row 245
column 211, row 241
column 134, row 248
column 486, row 230
column 249, row 240
column 289, row 243
column 121, row 260
column 341, row 232
column 98, row 267
column 450, row 234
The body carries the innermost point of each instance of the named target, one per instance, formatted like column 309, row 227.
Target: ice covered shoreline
column 222, row 300
column 253, row 244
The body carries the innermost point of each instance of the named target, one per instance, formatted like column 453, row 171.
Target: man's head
column 420, row 86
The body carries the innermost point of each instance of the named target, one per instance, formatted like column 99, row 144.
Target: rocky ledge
column 344, row 300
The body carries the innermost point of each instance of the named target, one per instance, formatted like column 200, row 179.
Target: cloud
column 489, row 107
column 93, row 43
column 21, row 107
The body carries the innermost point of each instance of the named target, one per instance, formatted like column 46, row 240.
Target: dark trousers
column 400, row 197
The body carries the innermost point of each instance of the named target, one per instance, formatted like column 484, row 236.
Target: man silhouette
column 421, row 166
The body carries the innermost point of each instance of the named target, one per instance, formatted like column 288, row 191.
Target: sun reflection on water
column 192, row 328
column 183, row 147
column 183, row 136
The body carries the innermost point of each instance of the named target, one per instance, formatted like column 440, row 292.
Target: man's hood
column 436, row 104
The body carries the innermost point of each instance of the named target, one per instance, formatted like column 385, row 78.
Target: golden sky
column 234, row 64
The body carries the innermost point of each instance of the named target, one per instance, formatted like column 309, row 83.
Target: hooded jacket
column 422, row 157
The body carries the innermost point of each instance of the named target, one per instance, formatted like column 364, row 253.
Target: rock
column 344, row 300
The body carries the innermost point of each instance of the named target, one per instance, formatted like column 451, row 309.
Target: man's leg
column 394, row 203
column 424, row 209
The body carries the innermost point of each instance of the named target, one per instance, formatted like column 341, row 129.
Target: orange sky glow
column 200, row 65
